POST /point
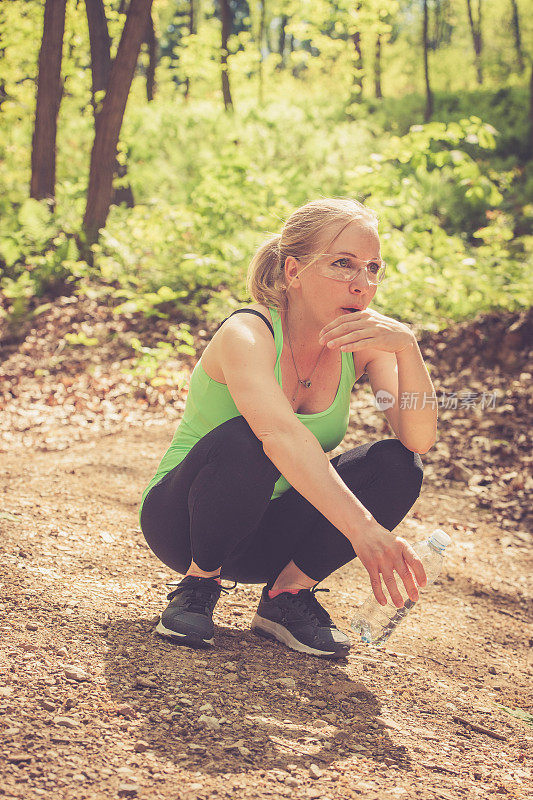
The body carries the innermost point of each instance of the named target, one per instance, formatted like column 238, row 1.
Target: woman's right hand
column 383, row 553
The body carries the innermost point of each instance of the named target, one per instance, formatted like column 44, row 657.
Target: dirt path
column 94, row 705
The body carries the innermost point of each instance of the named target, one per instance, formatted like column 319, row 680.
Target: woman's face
column 325, row 297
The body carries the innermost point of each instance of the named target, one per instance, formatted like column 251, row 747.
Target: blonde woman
column 246, row 491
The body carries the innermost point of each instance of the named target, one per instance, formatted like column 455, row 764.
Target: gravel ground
column 95, row 705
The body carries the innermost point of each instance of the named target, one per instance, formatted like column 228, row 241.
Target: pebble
column 76, row 674
column 128, row 789
column 141, row 746
column 196, row 748
column 66, row 722
column 184, row 701
column 62, row 652
column 320, row 723
column 145, row 683
column 32, row 626
column 206, row 707
column 315, row 771
column 47, row 704
column 29, row 646
column 125, row 772
column 291, row 781
column 210, row 722
column 492, row 670
column 125, row 710
column 16, row 758
column 230, row 666
column 288, row 683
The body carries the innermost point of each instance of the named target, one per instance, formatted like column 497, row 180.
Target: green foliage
column 80, row 338
column 519, row 713
column 453, row 196
column 160, row 365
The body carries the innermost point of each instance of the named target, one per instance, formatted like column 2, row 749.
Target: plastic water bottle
column 374, row 622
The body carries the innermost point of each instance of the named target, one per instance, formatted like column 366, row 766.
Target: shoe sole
column 276, row 632
column 183, row 638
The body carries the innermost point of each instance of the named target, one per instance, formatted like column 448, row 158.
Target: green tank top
column 209, row 404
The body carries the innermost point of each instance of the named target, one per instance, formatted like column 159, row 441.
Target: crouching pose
column 245, row 490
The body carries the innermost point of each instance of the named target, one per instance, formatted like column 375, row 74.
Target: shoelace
column 198, row 596
column 307, row 602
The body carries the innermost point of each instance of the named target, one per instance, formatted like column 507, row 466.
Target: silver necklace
column 304, row 381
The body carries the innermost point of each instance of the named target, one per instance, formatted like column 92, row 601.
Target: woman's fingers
column 377, row 588
column 393, row 589
column 416, row 565
column 405, row 574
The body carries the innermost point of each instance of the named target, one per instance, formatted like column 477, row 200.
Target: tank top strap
column 250, row 311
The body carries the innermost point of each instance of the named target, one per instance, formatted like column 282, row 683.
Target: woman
column 246, row 490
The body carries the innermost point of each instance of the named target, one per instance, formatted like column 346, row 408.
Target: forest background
column 238, row 113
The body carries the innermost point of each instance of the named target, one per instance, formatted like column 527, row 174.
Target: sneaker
column 188, row 618
column 301, row 623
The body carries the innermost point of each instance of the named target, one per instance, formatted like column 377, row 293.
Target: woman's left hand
column 369, row 328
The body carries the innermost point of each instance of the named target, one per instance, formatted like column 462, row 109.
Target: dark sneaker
column 300, row 622
column 188, row 618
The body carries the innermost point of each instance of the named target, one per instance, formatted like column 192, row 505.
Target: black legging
column 215, row 507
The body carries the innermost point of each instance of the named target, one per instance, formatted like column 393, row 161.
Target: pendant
column 307, row 383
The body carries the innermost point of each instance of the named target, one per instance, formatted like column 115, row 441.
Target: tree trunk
column 43, row 151
column 109, row 121
column 377, row 67
column 531, row 113
column 429, row 95
column 192, row 29
column 152, row 44
column 226, row 31
column 100, row 44
column 281, row 43
column 260, row 46
column 515, row 24
column 475, row 29
column 357, row 83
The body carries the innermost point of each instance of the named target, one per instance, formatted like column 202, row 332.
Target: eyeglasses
column 347, row 269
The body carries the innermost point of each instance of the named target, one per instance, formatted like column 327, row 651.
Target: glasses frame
column 365, row 263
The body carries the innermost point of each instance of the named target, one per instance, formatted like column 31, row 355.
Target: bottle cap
column 440, row 539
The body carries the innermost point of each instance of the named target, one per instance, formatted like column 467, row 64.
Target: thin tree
column 153, row 48
column 100, row 45
column 357, row 82
column 515, row 24
column 192, row 29
column 49, row 90
column 429, row 94
column 356, row 93
column 109, row 121
column 281, row 43
column 227, row 21
column 531, row 113
column 377, row 67
column 477, row 39
column 260, row 41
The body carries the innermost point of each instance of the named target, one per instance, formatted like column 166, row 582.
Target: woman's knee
column 398, row 463
column 235, row 441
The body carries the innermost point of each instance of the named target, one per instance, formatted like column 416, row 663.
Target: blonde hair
column 300, row 237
